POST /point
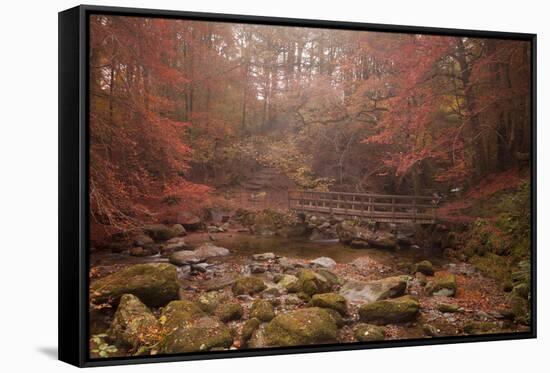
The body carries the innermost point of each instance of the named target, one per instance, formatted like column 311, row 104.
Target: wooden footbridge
column 376, row 207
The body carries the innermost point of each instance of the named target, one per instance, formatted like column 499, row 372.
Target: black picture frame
column 73, row 182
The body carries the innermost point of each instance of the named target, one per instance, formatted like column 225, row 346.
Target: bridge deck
column 376, row 207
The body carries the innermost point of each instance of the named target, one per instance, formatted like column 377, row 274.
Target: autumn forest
column 248, row 179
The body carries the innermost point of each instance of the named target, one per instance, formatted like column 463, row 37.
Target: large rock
column 311, row 282
column 368, row 292
column 160, row 232
column 186, row 328
column 198, row 255
column 211, row 300
column 201, row 334
column 348, row 232
column 425, row 267
column 249, row 327
column 287, row 281
column 367, row 332
column 142, row 240
column 262, row 310
column 302, row 327
column 173, row 245
column 383, row 240
column 189, row 220
column 323, row 262
column 155, row 284
column 330, row 300
column 229, row 311
column 390, row 311
column 133, row 324
column 442, row 286
column 248, row 285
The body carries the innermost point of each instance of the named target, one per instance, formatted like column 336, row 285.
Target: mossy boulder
column 310, row 282
column 196, row 334
column 160, row 232
column 178, row 312
column 262, row 310
column 425, row 267
column 179, row 230
column 133, row 324
column 330, row 300
column 390, row 311
column 383, row 240
column 211, row 300
column 248, row 285
column 302, row 327
column 287, row 281
column 142, row 239
column 368, row 332
column 229, row 312
column 372, row 291
column 155, row 284
column 249, row 327
column 331, row 277
column 442, row 286
column 349, row 233
column 186, row 328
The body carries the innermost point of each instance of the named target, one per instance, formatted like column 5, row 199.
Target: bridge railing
column 377, row 207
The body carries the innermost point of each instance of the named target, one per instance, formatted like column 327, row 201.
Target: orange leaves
column 137, row 134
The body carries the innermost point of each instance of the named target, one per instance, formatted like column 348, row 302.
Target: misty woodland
column 257, row 186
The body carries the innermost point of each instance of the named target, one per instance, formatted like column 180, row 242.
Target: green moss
column 445, row 285
column 209, row 301
column 302, row 327
column 262, row 310
column 155, row 284
column 229, row 311
column 425, row 267
column 249, row 327
column 310, row 282
column 133, row 324
column 248, row 285
column 494, row 266
column 330, row 300
column 367, row 333
column 179, row 312
column 160, row 232
column 197, row 334
column 390, row 311
column 497, row 247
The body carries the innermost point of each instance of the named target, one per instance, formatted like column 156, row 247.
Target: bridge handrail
column 365, row 204
column 396, row 196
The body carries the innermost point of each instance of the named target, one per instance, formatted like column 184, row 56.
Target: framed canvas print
column 234, row 186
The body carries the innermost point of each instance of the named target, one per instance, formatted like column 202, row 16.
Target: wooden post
column 345, row 205
column 414, row 210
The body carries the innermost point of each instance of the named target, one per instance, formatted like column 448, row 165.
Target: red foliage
column 137, row 148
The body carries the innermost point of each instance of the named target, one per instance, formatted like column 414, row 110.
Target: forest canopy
column 180, row 108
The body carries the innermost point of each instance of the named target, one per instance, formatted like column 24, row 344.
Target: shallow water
column 246, row 245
